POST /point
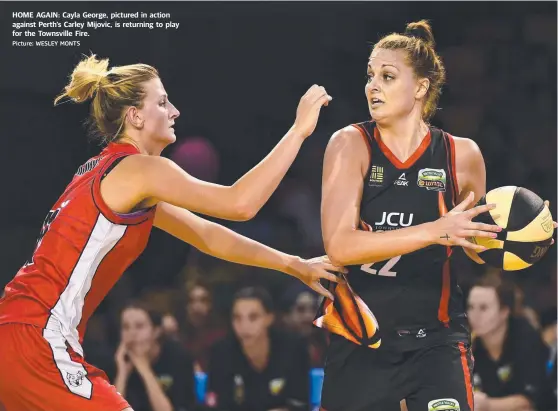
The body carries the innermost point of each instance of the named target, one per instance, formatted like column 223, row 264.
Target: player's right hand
column 311, row 271
column 308, row 110
column 122, row 363
column 454, row 228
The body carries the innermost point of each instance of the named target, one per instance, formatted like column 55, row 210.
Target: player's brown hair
column 112, row 91
column 504, row 288
column 418, row 42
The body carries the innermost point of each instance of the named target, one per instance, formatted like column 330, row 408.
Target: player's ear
column 423, row 85
column 134, row 117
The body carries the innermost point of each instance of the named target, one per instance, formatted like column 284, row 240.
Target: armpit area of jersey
column 348, row 316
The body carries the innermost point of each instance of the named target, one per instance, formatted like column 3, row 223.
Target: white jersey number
column 385, row 270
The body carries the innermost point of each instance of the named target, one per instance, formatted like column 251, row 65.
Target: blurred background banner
column 236, row 72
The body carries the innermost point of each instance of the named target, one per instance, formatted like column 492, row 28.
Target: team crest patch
column 165, row 381
column 444, row 404
column 276, row 386
column 75, row 380
column 432, row 179
column 504, row 373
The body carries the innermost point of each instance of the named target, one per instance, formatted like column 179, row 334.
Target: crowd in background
column 152, row 334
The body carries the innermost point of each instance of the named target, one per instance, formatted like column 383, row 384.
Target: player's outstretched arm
column 163, row 180
column 220, row 242
column 345, row 164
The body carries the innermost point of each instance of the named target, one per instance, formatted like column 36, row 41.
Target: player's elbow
column 336, row 251
column 244, row 211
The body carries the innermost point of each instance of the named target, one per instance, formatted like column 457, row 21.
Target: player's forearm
column 225, row 244
column 157, row 398
column 256, row 186
column 121, row 382
column 511, row 403
column 353, row 247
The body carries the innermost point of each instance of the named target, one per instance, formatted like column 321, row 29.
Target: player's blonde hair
column 418, row 42
column 111, row 91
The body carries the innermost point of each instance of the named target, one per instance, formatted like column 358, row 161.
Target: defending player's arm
column 162, row 180
column 345, row 163
column 220, row 242
column 509, row 403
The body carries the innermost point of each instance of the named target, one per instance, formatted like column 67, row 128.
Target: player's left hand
column 481, row 401
column 138, row 353
column 311, row 271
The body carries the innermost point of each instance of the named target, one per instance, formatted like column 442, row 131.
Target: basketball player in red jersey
column 101, row 223
column 399, row 330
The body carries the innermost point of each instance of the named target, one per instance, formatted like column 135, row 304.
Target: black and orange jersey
column 413, row 294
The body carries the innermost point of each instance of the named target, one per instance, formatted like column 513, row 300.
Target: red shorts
column 39, row 372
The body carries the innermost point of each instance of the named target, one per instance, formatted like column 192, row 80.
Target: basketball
column 527, row 228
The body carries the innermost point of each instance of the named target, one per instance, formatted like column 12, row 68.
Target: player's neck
column 494, row 341
column 403, row 136
column 154, row 352
column 135, row 139
column 258, row 353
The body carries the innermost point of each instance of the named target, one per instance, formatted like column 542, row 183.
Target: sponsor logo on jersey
column 394, row 220
column 88, row 166
column 376, row 176
column 444, row 404
column 401, row 181
column 432, row 179
column 421, row 333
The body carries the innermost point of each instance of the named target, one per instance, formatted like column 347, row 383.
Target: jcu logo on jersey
column 432, row 179
column 395, row 220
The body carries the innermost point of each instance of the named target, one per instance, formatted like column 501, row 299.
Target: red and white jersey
column 83, row 249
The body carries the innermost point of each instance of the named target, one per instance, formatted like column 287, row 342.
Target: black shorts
column 363, row 379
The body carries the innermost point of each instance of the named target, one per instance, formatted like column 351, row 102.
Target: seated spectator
column 199, row 329
column 548, row 324
column 510, row 356
column 300, row 304
column 258, row 368
column 153, row 374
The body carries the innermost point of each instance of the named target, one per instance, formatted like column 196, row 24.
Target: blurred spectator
column 510, row 356
column 153, row 374
column 199, row 328
column 300, row 304
column 258, row 368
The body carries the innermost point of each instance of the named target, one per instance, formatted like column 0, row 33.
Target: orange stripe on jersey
column 365, row 226
column 454, row 173
column 443, row 315
column 467, row 375
column 348, row 317
column 411, row 160
column 365, row 137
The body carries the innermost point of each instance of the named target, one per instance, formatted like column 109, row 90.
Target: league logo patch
column 444, row 404
column 432, row 179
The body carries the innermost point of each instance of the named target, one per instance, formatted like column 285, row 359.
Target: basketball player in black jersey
column 387, row 187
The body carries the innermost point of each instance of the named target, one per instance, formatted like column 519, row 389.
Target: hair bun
column 422, row 30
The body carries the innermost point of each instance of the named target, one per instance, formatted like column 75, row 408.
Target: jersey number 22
column 385, row 270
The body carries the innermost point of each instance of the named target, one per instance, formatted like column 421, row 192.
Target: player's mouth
column 376, row 102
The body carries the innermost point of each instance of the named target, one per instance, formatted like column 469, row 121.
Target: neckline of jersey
column 412, row 159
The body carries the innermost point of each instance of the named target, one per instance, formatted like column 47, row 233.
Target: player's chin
column 169, row 137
